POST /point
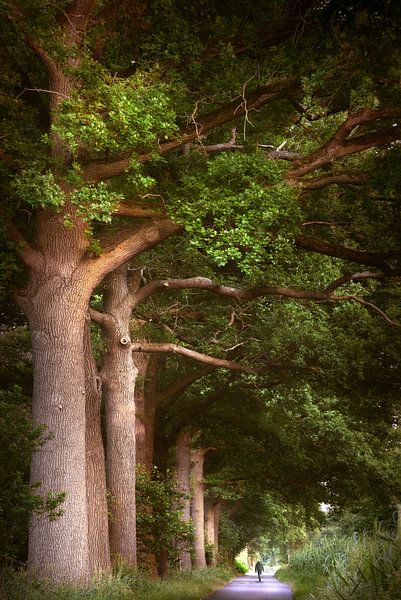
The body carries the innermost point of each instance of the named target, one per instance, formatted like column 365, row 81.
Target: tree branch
column 29, row 256
column 205, row 358
column 353, row 277
column 336, row 178
column 98, row 171
column 182, row 384
column 251, row 293
column 376, row 259
column 98, row 317
column 202, row 283
column 126, row 209
column 230, row 145
column 373, row 307
column 278, row 154
column 119, row 252
column 342, row 144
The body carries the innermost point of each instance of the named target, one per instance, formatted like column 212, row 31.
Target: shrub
column 240, row 567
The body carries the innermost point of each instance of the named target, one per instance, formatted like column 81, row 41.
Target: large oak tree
column 105, row 110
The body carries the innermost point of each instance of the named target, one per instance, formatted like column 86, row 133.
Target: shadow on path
column 249, row 588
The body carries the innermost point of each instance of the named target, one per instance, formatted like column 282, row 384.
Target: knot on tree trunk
column 125, row 340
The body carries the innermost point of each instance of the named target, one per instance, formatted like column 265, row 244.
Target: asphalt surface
column 249, row 588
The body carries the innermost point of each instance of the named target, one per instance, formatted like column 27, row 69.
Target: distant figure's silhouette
column 259, row 569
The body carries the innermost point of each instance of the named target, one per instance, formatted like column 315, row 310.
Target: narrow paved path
column 249, row 588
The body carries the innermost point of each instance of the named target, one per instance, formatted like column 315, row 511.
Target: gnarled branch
column 372, row 306
column 342, row 143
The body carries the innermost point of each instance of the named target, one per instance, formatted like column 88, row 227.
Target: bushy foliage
column 159, row 523
column 240, row 567
column 18, row 500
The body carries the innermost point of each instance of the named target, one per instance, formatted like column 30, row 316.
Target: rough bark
column 183, row 468
column 118, row 376
column 343, row 143
column 55, row 302
column 198, row 507
column 98, row 528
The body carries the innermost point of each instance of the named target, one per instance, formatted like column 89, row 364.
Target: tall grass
column 359, row 567
column 370, row 571
column 123, row 585
column 320, row 556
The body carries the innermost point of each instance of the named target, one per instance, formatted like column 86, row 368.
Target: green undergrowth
column 123, row 585
column 302, row 584
column 362, row 566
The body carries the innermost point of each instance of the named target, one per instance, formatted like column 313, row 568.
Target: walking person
column 259, row 569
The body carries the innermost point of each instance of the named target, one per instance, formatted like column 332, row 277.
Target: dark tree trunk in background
column 183, row 468
column 198, row 507
column 211, row 508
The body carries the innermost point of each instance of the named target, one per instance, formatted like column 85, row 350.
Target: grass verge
column 303, row 585
column 123, row 585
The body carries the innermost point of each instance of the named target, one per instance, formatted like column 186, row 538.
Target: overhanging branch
column 343, row 143
column 353, row 277
column 326, row 295
column 183, row 383
column 377, row 259
column 203, row 283
column 177, row 349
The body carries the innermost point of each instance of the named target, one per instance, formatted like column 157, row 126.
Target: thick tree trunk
column 98, row 528
column 118, row 384
column 198, row 507
column 118, row 377
column 183, row 467
column 56, row 311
